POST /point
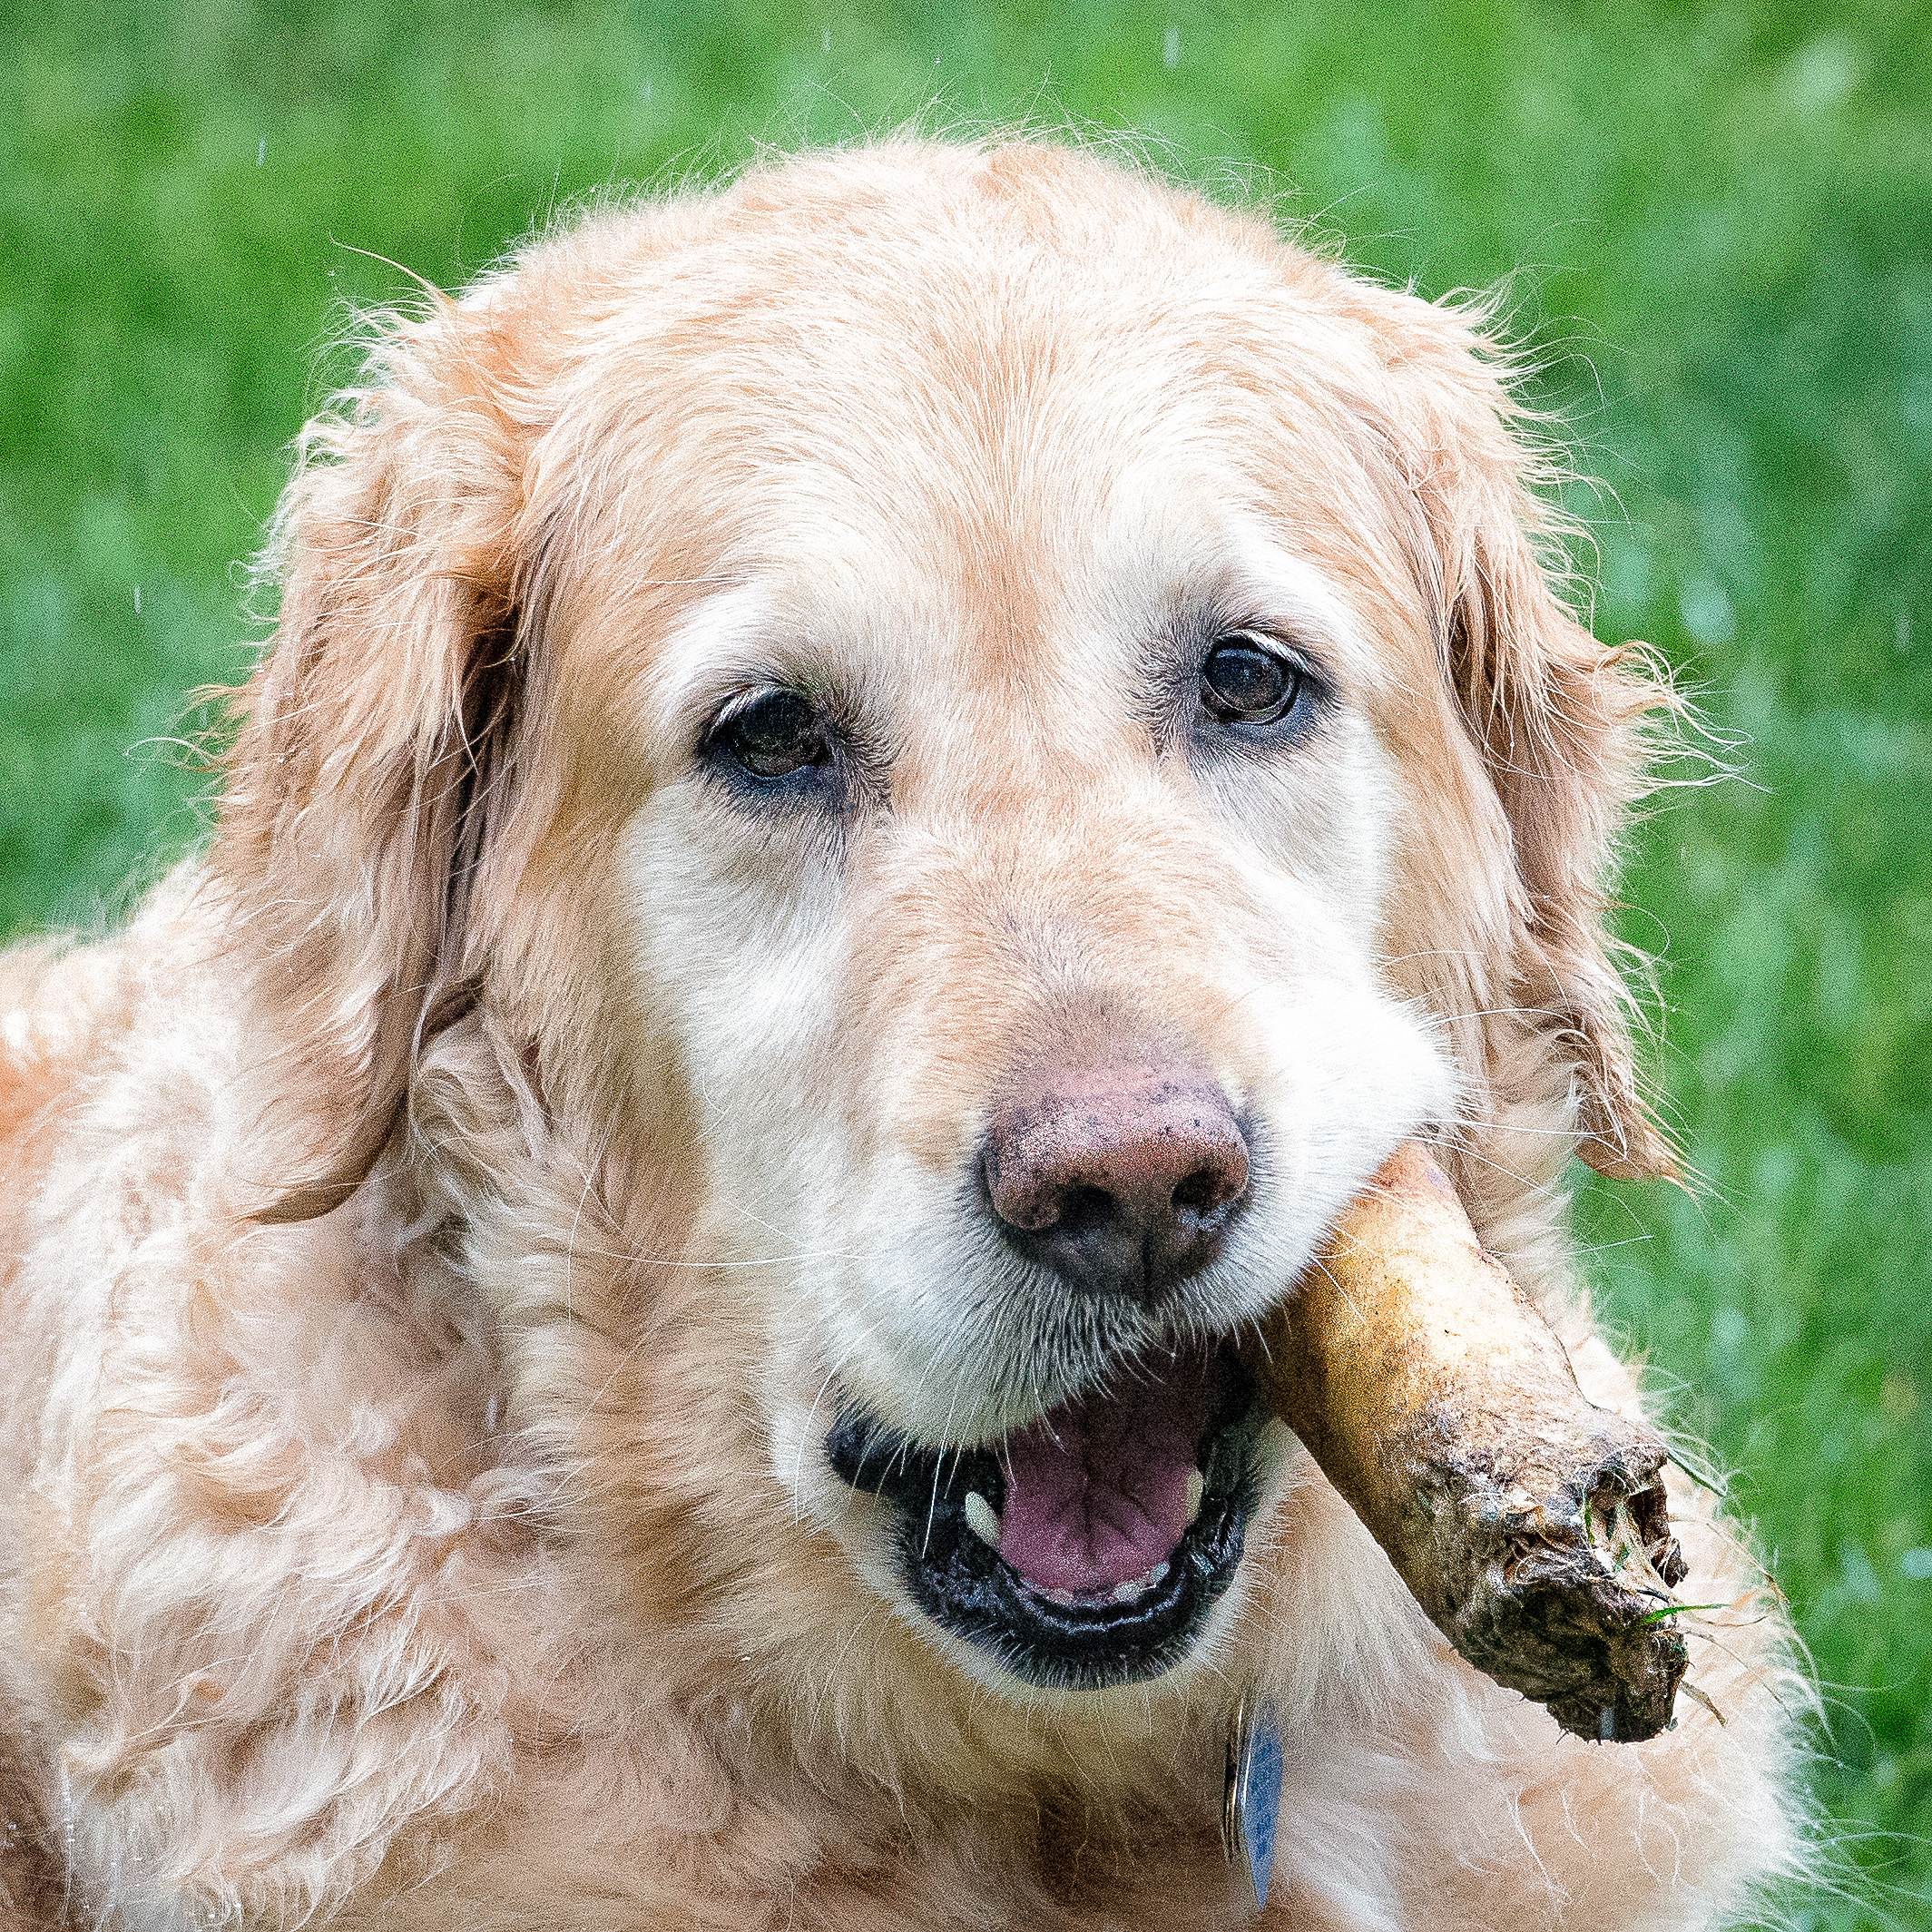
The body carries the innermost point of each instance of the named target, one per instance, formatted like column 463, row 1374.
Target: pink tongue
column 1097, row 1489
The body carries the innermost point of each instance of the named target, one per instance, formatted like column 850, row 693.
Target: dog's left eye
column 1246, row 682
column 774, row 734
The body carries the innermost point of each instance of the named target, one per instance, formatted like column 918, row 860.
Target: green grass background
column 1714, row 224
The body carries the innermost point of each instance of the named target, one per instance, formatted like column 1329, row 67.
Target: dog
column 875, row 793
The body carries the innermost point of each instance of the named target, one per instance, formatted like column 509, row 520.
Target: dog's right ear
column 378, row 743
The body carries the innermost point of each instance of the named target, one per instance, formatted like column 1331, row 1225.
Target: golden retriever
column 875, row 794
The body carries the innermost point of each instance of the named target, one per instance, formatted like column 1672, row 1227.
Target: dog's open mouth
column 1087, row 1548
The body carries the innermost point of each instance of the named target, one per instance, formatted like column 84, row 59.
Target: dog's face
column 995, row 808
column 1029, row 832
column 1031, row 869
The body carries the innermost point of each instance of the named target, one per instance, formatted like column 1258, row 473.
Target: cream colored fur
column 453, row 1548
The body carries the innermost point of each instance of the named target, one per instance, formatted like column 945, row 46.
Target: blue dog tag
column 1251, row 1801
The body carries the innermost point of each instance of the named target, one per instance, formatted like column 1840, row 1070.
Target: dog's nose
column 1122, row 1180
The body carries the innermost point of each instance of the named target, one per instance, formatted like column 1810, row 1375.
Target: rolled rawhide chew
column 1530, row 1524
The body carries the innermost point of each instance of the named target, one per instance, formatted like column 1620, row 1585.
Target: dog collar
column 1250, row 1802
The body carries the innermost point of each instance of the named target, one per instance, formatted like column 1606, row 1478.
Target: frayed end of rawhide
column 1567, row 1595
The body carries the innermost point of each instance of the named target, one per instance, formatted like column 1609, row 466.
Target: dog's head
column 982, row 738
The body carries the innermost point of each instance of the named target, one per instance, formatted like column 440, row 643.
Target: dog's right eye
column 772, row 735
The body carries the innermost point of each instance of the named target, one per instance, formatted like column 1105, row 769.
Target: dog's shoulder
column 250, row 1563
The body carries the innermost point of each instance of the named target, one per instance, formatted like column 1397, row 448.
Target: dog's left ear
column 377, row 747
column 1555, row 715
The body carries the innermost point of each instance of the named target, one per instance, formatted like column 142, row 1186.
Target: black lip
column 967, row 1588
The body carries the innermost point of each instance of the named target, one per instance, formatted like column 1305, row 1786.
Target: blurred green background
column 1715, row 224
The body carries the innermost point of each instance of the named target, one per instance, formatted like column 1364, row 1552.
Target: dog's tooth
column 1139, row 1585
column 980, row 1518
column 1197, row 1488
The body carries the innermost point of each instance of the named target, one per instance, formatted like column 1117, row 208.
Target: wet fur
column 433, row 1225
